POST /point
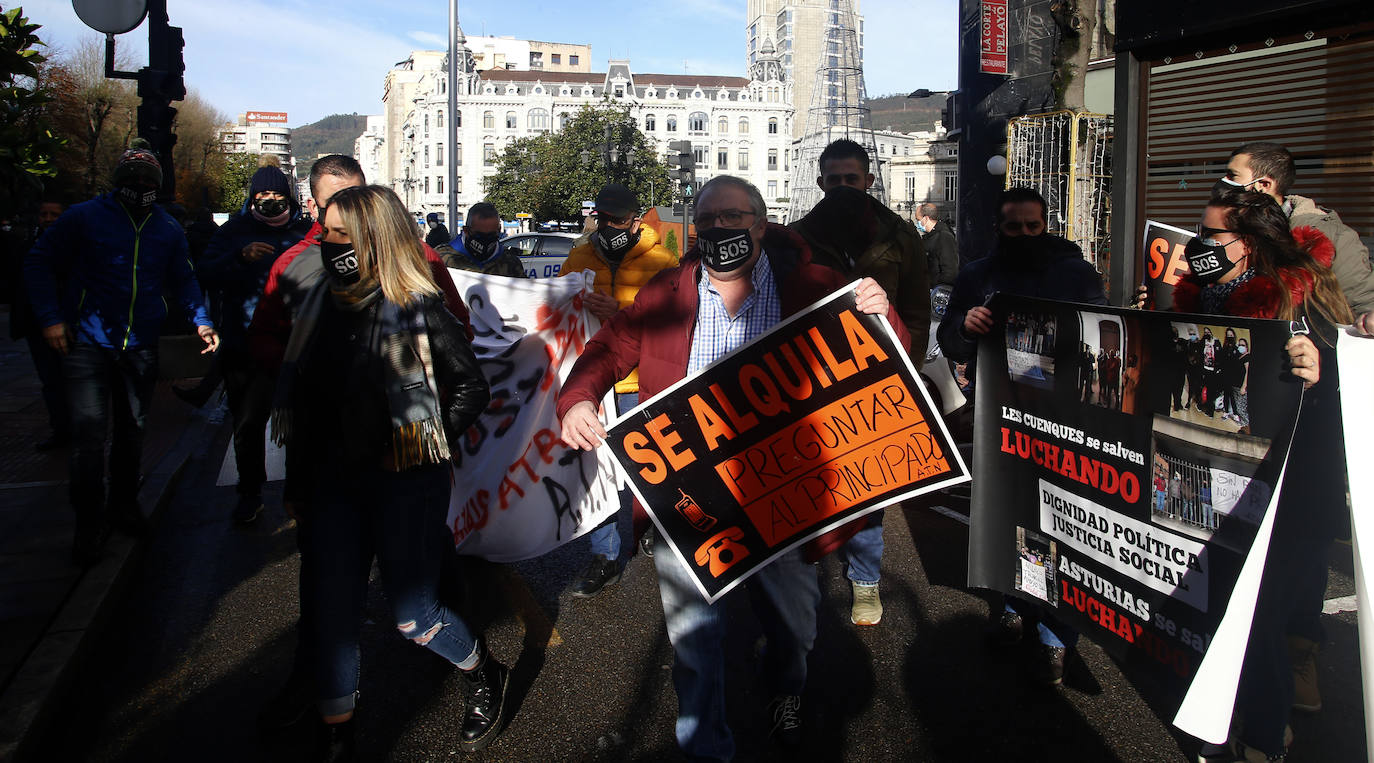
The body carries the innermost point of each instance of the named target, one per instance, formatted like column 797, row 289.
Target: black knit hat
column 138, row 164
column 269, row 179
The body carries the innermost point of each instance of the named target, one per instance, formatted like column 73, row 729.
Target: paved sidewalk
column 50, row 609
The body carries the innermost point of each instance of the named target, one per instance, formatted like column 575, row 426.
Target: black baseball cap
column 615, row 200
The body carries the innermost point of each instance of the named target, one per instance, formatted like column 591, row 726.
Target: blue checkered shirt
column 717, row 333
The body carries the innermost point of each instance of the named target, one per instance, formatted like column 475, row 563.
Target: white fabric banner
column 518, row 491
column 1355, row 355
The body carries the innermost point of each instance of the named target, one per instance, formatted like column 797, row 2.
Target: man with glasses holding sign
column 1031, row 263
column 743, row 278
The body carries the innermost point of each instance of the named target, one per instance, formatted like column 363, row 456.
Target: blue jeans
column 606, row 537
column 103, row 385
column 1048, row 628
column 400, row 518
column 864, row 551
column 785, row 596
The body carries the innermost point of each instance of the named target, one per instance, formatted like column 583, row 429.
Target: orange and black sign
column 813, row 425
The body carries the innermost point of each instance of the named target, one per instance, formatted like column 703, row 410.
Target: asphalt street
column 205, row 635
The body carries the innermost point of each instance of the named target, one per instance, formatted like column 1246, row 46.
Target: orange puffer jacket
column 638, row 267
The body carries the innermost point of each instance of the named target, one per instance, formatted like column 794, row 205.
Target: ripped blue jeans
column 399, row 517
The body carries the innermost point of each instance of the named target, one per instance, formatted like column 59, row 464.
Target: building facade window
column 538, row 119
column 439, row 120
column 772, row 158
column 743, row 125
column 951, row 187
column 426, row 125
column 439, row 183
column 488, row 120
column 426, row 156
column 426, row 184
column 556, row 58
column 699, row 155
column 743, row 159
column 723, row 126
column 439, row 155
column 722, row 159
column 510, row 120
column 772, row 189
column 458, row 154
column 649, row 123
column 488, row 154
column 696, row 123
column 563, row 120
column 772, row 125
column 572, row 59
column 672, row 124
column 458, row 185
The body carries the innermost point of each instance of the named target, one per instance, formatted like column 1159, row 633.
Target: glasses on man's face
column 729, row 218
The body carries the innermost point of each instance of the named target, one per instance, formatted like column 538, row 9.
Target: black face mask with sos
column 725, row 249
column 616, row 242
column 340, row 264
column 1207, row 259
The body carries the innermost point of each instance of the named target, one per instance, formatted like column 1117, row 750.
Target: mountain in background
column 901, row 114
column 332, row 135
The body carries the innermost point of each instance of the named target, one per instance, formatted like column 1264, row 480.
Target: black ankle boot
column 484, row 689
column 335, row 743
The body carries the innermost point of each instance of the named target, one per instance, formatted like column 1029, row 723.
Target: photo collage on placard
column 1038, row 558
column 1208, row 368
column 1107, row 363
column 1030, row 348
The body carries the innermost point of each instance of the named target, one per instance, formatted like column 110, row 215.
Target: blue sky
column 316, row 59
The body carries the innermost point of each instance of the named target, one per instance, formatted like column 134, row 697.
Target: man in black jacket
column 942, row 250
column 235, row 269
column 1032, row 263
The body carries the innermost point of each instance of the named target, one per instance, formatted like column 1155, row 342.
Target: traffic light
column 685, row 166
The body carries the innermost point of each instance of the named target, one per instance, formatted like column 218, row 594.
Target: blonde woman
column 378, row 380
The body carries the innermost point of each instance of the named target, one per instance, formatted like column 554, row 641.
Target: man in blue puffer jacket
column 234, row 268
column 123, row 259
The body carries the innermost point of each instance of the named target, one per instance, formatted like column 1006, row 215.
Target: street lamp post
column 160, row 83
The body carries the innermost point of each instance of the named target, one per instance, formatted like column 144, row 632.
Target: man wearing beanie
column 123, row 261
column 234, row 271
column 625, row 255
column 436, row 233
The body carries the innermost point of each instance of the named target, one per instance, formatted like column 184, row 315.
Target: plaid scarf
column 400, row 339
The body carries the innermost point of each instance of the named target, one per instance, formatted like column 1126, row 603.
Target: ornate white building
column 737, row 125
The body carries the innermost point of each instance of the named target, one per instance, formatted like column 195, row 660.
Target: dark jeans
column 49, row 366
column 105, row 385
column 400, row 517
column 250, row 403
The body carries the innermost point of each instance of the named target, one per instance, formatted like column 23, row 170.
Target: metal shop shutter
column 1315, row 96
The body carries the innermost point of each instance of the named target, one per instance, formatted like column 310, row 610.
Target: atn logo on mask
column 727, row 251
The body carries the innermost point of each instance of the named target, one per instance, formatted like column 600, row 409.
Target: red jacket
column 655, row 334
column 271, row 326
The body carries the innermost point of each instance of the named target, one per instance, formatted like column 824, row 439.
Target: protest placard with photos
column 1126, row 465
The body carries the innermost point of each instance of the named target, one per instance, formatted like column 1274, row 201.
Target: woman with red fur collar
column 1245, row 262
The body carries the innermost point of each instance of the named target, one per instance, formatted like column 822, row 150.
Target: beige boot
column 1302, row 653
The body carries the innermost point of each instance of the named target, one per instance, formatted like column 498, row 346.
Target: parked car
column 542, row 253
